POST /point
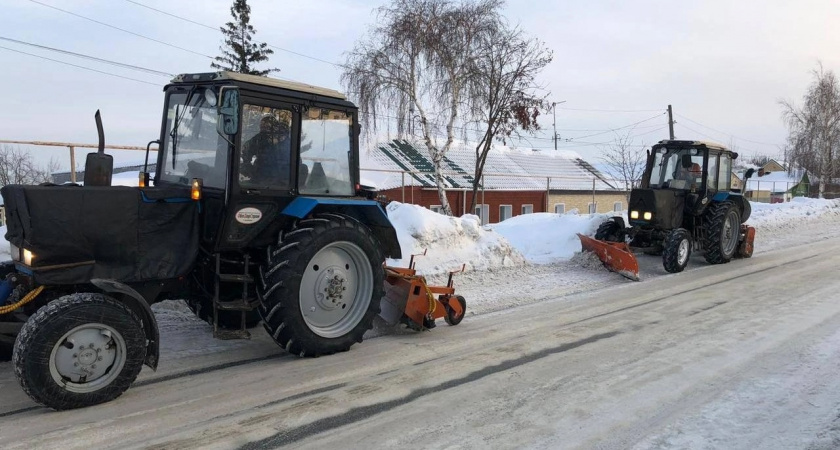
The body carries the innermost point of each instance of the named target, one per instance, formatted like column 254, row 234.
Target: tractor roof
column 262, row 81
column 686, row 143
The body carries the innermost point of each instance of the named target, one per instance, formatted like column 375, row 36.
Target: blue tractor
column 254, row 213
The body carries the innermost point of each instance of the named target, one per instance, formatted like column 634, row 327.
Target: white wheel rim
column 336, row 289
column 682, row 252
column 729, row 236
column 88, row 358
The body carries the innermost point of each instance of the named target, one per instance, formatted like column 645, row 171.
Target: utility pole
column 554, row 110
column 671, row 122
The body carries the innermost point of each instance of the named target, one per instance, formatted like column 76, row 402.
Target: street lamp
column 554, row 111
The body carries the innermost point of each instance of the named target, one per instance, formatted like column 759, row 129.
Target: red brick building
column 516, row 181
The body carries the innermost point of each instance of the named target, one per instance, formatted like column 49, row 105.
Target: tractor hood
column 665, row 208
column 72, row 234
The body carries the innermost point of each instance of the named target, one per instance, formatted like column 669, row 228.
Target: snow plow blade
column 616, row 256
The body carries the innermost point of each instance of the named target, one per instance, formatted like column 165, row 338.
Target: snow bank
column 784, row 214
column 5, row 252
column 450, row 241
column 545, row 238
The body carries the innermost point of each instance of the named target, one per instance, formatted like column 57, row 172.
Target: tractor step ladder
column 243, row 304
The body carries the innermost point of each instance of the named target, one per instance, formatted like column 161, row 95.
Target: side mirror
column 229, row 110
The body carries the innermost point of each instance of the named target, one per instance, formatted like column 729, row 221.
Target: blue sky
column 723, row 65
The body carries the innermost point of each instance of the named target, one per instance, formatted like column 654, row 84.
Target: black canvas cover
column 122, row 233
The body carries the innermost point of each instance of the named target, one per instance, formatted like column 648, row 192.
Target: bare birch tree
column 502, row 91
column 18, row 167
column 419, row 58
column 814, row 128
column 625, row 161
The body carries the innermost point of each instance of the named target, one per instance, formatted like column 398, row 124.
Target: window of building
column 505, row 212
column 527, row 209
column 483, row 213
column 559, row 208
column 617, row 206
column 436, row 208
column 593, row 208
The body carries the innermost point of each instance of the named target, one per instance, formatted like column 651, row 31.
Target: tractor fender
column 368, row 212
column 738, row 200
column 141, row 307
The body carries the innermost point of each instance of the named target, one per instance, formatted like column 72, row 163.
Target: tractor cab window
column 680, row 168
column 711, row 180
column 325, row 151
column 266, row 156
column 725, row 177
column 192, row 146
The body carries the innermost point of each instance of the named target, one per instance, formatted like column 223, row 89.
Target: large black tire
column 328, row 253
column 723, row 228
column 202, row 307
column 676, row 250
column 610, row 231
column 70, row 336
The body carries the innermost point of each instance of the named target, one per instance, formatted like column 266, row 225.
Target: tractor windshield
column 677, row 168
column 192, row 146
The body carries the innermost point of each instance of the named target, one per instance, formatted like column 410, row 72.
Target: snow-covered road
column 742, row 355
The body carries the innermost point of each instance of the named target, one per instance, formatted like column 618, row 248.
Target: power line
column 122, row 29
column 92, row 58
column 217, row 29
column 173, row 15
column 723, row 132
column 78, row 66
column 611, row 110
column 619, row 128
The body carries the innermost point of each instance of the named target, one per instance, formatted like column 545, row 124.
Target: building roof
column 774, row 181
column 505, row 169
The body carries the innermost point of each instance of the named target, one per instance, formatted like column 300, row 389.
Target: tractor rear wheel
column 723, row 229
column 676, row 250
column 610, row 231
column 79, row 350
column 321, row 285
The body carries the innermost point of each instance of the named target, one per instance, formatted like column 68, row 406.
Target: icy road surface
column 741, row 355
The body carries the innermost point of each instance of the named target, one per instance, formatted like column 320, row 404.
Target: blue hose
column 5, row 291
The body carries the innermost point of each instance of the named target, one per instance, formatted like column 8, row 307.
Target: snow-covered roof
column 774, row 182
column 506, row 168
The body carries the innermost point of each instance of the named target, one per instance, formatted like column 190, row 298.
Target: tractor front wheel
column 610, row 231
column 676, row 250
column 723, row 228
column 322, row 285
column 79, row 350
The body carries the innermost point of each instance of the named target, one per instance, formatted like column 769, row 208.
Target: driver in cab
column 266, row 157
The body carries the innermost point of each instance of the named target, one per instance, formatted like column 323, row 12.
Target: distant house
column 772, row 166
column 516, row 181
column 777, row 187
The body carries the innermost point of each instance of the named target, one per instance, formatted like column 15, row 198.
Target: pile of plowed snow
column 448, row 241
column 545, row 238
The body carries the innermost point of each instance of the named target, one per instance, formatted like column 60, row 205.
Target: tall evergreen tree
column 240, row 53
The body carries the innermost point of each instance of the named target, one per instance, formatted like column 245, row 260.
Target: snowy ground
column 731, row 357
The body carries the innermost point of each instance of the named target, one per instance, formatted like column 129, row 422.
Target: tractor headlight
column 15, row 251
column 648, row 216
column 28, row 257
column 634, row 214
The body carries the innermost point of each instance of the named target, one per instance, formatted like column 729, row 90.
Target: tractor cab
column 253, row 144
column 681, row 178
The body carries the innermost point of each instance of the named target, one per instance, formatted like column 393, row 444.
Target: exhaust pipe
column 99, row 167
